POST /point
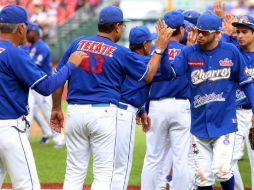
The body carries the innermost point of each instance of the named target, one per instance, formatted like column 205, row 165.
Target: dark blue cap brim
column 235, row 24
column 126, row 20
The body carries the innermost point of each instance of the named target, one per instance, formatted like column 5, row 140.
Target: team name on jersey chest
column 198, row 76
column 96, row 47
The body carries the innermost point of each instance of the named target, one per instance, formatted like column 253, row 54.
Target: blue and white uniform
column 133, row 96
column 169, row 110
column 214, row 77
column 40, row 106
column 18, row 73
column 94, row 92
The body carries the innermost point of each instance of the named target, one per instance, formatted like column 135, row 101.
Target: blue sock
column 228, row 185
column 205, row 188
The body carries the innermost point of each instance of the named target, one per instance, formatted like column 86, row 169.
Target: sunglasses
column 205, row 32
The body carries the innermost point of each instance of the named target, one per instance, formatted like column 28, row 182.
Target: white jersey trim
column 246, row 81
column 39, row 80
column 144, row 74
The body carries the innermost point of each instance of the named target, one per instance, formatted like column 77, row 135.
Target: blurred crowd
column 50, row 12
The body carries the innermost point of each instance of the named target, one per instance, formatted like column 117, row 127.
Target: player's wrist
column 158, row 51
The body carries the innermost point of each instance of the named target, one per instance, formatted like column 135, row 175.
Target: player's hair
column 8, row 28
column 134, row 47
column 107, row 28
column 177, row 31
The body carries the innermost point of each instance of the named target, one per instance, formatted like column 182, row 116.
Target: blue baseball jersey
column 178, row 88
column 137, row 93
column 214, row 77
column 41, row 56
column 17, row 74
column 100, row 76
column 241, row 98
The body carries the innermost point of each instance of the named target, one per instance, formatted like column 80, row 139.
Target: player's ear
column 21, row 29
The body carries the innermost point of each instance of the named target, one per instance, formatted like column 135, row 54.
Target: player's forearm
column 249, row 92
column 53, row 82
column 57, row 98
column 153, row 67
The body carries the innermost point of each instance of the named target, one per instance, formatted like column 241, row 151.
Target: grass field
column 51, row 162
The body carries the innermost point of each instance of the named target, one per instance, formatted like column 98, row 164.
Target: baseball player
column 133, row 96
column 169, row 110
column 93, row 96
column 18, row 73
column 40, row 106
column 245, row 37
column 215, row 69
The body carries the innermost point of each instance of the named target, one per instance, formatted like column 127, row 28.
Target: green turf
column 51, row 162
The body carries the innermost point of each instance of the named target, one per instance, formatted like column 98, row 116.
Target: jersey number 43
column 97, row 59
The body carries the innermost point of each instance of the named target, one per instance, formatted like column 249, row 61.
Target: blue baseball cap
column 245, row 21
column 111, row 14
column 191, row 16
column 209, row 21
column 174, row 19
column 140, row 34
column 187, row 24
column 33, row 26
column 13, row 14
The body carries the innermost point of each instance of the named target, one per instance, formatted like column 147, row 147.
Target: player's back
column 100, row 76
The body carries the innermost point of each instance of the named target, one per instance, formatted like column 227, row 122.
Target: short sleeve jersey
column 214, row 77
column 179, row 87
column 99, row 77
column 41, row 56
column 18, row 73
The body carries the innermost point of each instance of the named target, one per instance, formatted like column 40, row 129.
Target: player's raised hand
column 227, row 24
column 164, row 34
column 77, row 57
column 146, row 122
column 56, row 119
column 219, row 8
column 192, row 35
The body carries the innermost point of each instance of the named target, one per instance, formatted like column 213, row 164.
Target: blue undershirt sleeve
column 48, row 85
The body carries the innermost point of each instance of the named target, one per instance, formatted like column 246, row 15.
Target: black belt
column 243, row 107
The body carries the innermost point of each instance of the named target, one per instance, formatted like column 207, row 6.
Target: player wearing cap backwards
column 245, row 38
column 133, row 96
column 215, row 69
column 18, row 73
column 93, row 96
column 169, row 110
column 40, row 106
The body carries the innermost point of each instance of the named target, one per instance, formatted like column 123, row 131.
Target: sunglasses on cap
column 205, row 32
column 244, row 20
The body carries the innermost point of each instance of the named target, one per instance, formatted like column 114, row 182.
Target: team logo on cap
column 2, row 50
column 226, row 62
column 244, row 20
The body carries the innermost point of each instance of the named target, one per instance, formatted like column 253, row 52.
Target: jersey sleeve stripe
column 246, row 81
column 144, row 74
column 36, row 82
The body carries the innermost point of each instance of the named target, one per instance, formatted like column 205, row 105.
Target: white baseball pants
column 213, row 159
column 40, row 110
column 126, row 125
column 90, row 129
column 16, row 156
column 244, row 124
column 170, row 128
